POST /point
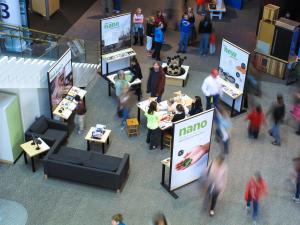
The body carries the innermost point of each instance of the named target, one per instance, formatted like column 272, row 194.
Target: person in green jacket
column 153, row 118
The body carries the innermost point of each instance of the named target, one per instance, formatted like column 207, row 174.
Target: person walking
column 223, row 130
column 297, row 174
column 200, row 7
column 124, row 106
column 156, row 81
column 212, row 42
column 153, row 118
column 295, row 112
column 137, row 73
column 212, row 89
column 120, row 83
column 256, row 189
column 278, row 113
column 159, row 219
column 191, row 18
column 159, row 38
column 116, row 6
column 217, row 172
column 256, row 118
column 117, row 219
column 138, row 27
column 149, row 34
column 205, row 29
column 185, row 31
column 80, row 111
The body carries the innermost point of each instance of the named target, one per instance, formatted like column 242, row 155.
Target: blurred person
column 256, row 189
column 150, row 34
column 159, row 219
column 137, row 73
column 159, row 38
column 185, row 31
column 156, row 81
column 117, row 6
column 153, row 118
column 138, row 27
column 212, row 42
column 223, row 129
column 205, row 29
column 124, row 106
column 217, row 173
column 191, row 18
column 295, row 112
column 160, row 18
column 196, row 106
column 212, row 89
column 297, row 179
column 120, row 83
column 278, row 112
column 256, row 118
column 201, row 7
column 80, row 111
column 117, row 219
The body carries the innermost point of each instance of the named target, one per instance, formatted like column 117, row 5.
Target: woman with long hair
column 156, row 81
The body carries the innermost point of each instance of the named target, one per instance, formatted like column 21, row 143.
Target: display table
column 217, row 12
column 66, row 107
column 137, row 83
column 104, row 139
column 177, row 80
column 45, row 7
column 116, row 60
column 232, row 92
column 32, row 151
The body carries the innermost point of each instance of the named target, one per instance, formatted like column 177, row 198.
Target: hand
column 192, row 156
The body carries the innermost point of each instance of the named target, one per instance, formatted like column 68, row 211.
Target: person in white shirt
column 212, row 89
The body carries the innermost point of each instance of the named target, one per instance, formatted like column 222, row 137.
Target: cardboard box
column 266, row 32
column 276, row 68
column 271, row 12
column 263, row 47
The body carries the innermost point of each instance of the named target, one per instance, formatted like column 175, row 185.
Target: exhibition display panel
column 233, row 69
column 217, row 10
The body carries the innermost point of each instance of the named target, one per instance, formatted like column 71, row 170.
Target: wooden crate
column 271, row 13
column 261, row 62
column 266, row 32
column 276, row 68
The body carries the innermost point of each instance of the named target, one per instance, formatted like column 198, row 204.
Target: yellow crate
column 271, row 12
column 266, row 32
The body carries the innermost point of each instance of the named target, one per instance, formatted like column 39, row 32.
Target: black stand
column 165, row 186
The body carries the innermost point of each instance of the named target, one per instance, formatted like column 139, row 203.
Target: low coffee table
column 30, row 150
column 104, row 139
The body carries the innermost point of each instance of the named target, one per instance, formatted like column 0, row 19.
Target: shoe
column 275, row 143
column 270, row 133
column 248, row 209
column 178, row 51
column 122, row 127
column 211, row 212
column 296, row 200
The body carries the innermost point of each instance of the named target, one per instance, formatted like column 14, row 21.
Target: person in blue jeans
column 116, row 6
column 205, row 29
column 297, row 170
column 185, row 30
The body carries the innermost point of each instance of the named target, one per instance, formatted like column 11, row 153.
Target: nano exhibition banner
column 233, row 69
column 60, row 79
column 115, row 33
column 191, row 144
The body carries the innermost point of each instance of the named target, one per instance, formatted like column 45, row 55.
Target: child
column 196, row 106
column 117, row 219
column 212, row 42
column 153, row 135
column 150, row 34
column 256, row 118
column 79, row 115
column 159, row 38
column 138, row 27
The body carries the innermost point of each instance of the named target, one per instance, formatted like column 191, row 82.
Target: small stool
column 168, row 140
column 132, row 127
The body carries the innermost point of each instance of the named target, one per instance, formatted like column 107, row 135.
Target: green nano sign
column 111, row 25
column 192, row 128
column 230, row 52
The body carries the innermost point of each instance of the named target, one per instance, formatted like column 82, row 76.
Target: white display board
column 191, row 144
column 233, row 69
column 115, row 33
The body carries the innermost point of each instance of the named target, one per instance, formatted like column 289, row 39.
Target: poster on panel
column 233, row 69
column 60, row 79
column 191, row 143
column 115, row 33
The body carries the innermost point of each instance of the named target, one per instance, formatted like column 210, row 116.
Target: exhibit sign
column 233, row 69
column 191, row 144
column 115, row 33
column 60, row 79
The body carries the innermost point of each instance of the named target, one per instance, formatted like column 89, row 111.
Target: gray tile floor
column 59, row 202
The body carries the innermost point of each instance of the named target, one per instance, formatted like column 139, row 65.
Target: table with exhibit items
column 137, row 83
column 66, row 107
column 179, row 80
column 34, row 148
column 98, row 135
column 216, row 9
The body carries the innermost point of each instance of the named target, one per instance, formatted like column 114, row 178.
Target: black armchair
column 48, row 130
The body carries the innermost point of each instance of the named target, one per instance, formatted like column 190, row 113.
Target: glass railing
column 23, row 42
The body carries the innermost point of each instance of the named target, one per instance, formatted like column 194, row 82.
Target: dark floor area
column 70, row 11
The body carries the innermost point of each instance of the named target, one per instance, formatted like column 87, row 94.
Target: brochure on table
column 115, row 36
column 128, row 77
column 233, row 69
column 190, row 151
column 60, row 79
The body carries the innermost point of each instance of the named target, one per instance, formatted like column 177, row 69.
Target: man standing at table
column 212, row 89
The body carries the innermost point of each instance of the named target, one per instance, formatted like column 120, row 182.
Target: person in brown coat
column 156, row 81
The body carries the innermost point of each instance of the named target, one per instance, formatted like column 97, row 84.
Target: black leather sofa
column 86, row 167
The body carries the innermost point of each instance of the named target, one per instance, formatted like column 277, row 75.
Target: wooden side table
column 32, row 151
column 104, row 139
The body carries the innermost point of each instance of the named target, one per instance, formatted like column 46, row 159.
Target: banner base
column 172, row 193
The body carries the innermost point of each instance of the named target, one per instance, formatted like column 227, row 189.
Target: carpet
column 12, row 213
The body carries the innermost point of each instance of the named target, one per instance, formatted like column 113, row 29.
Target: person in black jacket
column 205, row 28
column 137, row 73
column 196, row 106
column 179, row 114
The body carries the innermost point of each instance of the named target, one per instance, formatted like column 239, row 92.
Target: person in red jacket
column 256, row 189
column 256, row 117
column 156, row 81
